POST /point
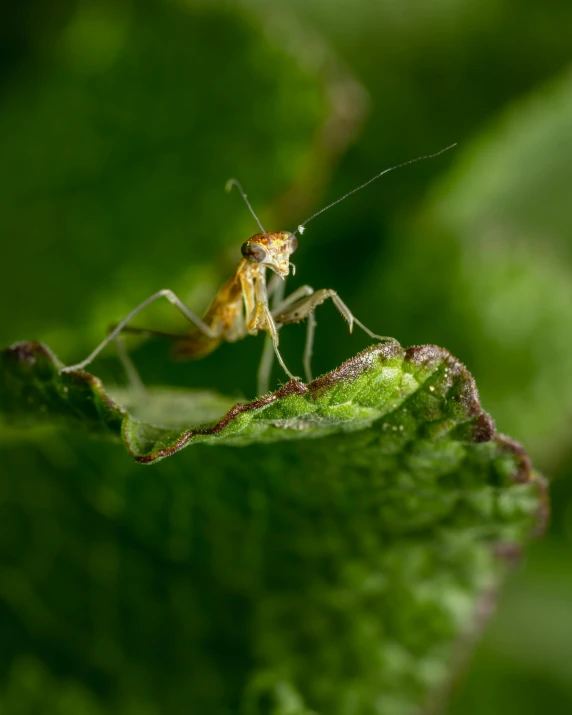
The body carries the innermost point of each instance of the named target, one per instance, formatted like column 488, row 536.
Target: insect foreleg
column 275, row 292
column 300, row 293
column 133, row 378
column 273, row 332
column 165, row 293
column 265, row 367
column 275, row 289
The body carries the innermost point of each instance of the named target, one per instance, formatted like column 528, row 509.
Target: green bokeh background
column 119, row 125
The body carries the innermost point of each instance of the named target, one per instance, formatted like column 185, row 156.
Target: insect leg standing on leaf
column 241, row 306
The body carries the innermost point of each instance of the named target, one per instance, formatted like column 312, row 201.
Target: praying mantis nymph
column 242, row 305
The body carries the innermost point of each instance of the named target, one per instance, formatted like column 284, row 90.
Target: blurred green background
column 120, row 123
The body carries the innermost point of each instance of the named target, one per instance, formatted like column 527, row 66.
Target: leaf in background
column 115, row 156
column 343, row 558
column 491, row 261
column 129, row 590
column 508, row 203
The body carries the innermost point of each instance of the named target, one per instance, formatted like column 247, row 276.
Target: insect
column 242, row 305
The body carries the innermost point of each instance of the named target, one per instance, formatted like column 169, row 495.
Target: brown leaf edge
column 114, row 416
column 483, row 430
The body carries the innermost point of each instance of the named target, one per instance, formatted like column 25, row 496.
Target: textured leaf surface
column 355, row 545
column 375, row 384
column 134, row 591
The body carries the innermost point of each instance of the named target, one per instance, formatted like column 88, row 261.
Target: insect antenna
column 301, row 227
column 233, row 182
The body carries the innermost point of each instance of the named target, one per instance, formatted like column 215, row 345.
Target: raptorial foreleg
column 272, row 329
column 279, row 304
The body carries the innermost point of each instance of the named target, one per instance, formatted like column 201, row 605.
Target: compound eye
column 254, row 252
column 293, row 243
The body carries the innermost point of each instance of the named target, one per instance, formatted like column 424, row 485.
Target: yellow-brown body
column 240, row 306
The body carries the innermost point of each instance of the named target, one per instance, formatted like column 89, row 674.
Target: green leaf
column 360, row 535
column 375, row 384
column 118, row 149
column 490, row 252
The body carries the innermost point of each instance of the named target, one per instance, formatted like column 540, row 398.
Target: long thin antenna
column 233, row 182
column 381, row 173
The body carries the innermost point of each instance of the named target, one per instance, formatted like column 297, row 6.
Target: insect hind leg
column 165, row 293
column 133, row 377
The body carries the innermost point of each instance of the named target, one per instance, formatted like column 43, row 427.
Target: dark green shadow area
column 344, row 550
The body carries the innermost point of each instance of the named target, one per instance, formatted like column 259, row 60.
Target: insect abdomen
column 194, row 347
